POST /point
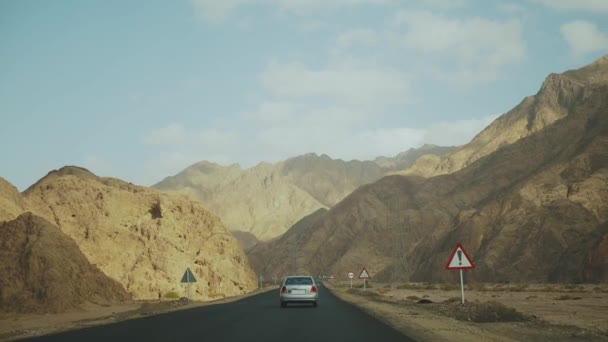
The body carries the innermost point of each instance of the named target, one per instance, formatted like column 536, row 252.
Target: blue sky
column 141, row 89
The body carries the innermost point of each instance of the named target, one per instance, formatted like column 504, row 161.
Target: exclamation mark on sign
column 459, row 257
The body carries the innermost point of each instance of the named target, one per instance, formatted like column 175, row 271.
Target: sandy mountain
column 12, row 204
column 142, row 238
column 533, row 114
column 535, row 209
column 267, row 199
column 44, row 271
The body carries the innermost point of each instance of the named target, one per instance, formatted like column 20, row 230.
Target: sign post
column 188, row 278
column 351, row 275
column 364, row 275
column 460, row 260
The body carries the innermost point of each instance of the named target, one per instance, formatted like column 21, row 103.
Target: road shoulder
column 18, row 326
column 424, row 322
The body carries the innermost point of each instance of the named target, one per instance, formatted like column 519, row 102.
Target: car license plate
column 298, row 291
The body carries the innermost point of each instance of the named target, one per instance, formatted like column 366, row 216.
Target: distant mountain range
column 267, row 199
column 527, row 197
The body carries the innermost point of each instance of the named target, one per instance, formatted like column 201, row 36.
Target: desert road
column 256, row 318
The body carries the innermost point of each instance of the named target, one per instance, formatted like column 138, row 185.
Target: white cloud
column 475, row 49
column 348, row 84
column 581, row 5
column 583, row 37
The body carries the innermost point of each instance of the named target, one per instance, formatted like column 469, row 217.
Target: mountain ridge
column 267, row 199
column 532, row 210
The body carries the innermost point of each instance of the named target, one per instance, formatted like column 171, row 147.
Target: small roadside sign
column 364, row 274
column 351, row 275
column 460, row 260
column 188, row 278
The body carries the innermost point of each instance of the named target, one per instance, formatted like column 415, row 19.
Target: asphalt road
column 256, row 318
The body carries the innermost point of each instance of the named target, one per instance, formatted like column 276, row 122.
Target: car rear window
column 298, row 281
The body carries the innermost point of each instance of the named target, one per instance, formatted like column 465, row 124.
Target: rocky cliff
column 140, row 237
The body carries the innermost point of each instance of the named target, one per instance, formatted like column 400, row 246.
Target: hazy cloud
column 348, row 84
column 171, row 134
column 474, row 49
column 583, row 37
column 276, row 131
column 217, row 10
column 581, row 5
column 459, row 132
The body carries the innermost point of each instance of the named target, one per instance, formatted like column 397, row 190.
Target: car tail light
column 283, row 289
column 313, row 289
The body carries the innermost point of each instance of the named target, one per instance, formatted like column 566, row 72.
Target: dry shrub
column 494, row 312
column 484, row 312
column 171, row 295
column 412, row 298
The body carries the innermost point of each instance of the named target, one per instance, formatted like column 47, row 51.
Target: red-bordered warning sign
column 364, row 274
column 459, row 259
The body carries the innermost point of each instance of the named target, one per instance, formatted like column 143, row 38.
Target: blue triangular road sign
column 188, row 277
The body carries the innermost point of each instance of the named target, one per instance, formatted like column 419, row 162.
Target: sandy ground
column 16, row 326
column 554, row 312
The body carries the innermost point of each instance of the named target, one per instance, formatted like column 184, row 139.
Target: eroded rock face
column 142, row 238
column 529, row 211
column 44, row 271
column 12, row 204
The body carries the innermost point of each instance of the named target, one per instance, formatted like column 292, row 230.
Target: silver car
column 299, row 289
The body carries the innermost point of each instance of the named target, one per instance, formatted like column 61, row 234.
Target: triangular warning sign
column 364, row 274
column 459, row 259
column 188, row 277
